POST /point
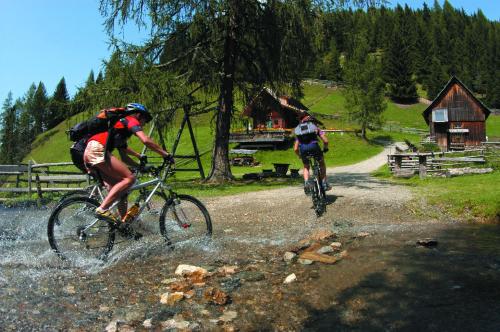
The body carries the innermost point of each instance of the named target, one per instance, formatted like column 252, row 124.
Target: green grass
column 469, row 196
column 408, row 116
column 493, row 127
column 477, row 193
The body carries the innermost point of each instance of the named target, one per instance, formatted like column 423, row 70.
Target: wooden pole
column 29, row 178
column 193, row 140
column 422, row 169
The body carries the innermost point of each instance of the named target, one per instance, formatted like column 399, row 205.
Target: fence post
column 422, row 170
column 397, row 162
column 29, row 178
column 38, row 187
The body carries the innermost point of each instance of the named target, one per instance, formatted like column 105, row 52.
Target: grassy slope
column 482, row 190
column 345, row 149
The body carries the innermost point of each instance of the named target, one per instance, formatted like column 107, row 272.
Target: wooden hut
column 271, row 120
column 456, row 118
column 267, row 110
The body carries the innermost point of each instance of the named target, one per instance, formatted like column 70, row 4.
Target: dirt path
column 353, row 189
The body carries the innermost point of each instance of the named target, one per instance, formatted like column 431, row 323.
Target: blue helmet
column 141, row 109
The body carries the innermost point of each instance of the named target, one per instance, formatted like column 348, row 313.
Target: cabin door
column 457, row 140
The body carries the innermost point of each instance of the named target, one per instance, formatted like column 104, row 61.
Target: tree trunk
column 221, row 170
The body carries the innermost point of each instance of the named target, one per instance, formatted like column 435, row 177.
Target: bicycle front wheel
column 74, row 232
column 185, row 219
column 319, row 198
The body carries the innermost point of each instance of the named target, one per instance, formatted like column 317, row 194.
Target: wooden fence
column 39, row 178
column 443, row 163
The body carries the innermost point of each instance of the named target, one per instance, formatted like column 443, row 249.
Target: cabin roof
column 286, row 102
column 447, row 87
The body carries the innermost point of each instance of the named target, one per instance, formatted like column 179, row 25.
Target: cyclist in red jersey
column 115, row 174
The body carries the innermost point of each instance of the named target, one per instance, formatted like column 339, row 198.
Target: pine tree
column 230, row 45
column 99, row 78
column 493, row 86
column 9, row 144
column 398, row 63
column 333, row 68
column 364, row 88
column 58, row 105
column 24, row 130
column 423, row 47
column 435, row 82
column 39, row 109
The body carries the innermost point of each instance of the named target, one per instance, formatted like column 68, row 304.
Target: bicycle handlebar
column 156, row 170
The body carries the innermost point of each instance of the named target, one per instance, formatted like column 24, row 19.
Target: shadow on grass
column 452, row 287
column 381, row 140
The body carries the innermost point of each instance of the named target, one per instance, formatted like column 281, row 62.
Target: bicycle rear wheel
column 74, row 232
column 185, row 219
column 319, row 198
column 319, row 195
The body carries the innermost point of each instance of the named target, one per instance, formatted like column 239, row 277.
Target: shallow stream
column 386, row 281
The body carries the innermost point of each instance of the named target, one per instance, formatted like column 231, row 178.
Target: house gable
column 461, row 104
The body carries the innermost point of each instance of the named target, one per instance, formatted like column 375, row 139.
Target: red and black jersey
column 122, row 130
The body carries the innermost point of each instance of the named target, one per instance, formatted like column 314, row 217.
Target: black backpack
column 76, row 151
column 102, row 122
column 81, row 132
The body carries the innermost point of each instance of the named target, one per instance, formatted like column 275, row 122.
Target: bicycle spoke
column 186, row 221
column 75, row 234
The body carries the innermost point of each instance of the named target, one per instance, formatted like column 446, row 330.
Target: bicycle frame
column 157, row 182
column 318, row 194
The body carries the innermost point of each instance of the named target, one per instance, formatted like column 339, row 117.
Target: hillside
column 53, row 145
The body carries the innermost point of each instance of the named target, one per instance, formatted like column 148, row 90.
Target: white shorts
column 94, row 153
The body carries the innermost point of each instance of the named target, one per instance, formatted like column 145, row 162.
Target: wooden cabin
column 271, row 120
column 456, row 118
column 268, row 111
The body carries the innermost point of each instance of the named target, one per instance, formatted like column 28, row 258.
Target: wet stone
column 322, row 234
column 216, row 296
column 173, row 324
column 427, row 242
column 168, row 281
column 251, row 276
column 189, row 294
column 147, row 323
column 336, row 245
column 165, row 313
column 171, row 298
column 289, row 257
column 289, row 279
column 69, row 289
column 304, row 261
column 227, row 270
column 325, row 250
column 361, row 235
column 230, row 284
column 228, row 316
column 135, row 314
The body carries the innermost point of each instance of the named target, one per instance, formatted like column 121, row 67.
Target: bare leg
column 306, row 172
column 322, row 167
column 117, row 174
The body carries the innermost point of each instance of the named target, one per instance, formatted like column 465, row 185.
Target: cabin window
column 440, row 115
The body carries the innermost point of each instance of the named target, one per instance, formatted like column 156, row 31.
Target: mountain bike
column 318, row 194
column 74, row 232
